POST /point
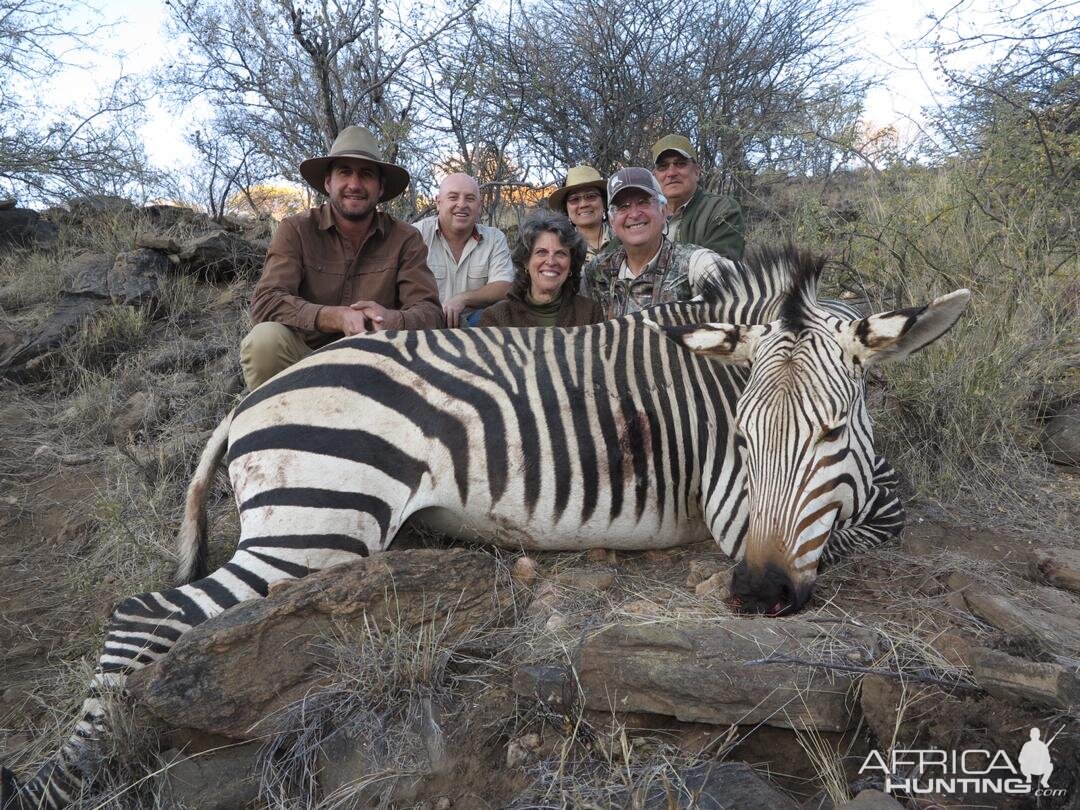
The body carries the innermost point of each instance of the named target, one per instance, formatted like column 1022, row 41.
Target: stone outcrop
column 136, row 276
column 224, row 779
column 88, row 274
column 19, row 362
column 732, row 671
column 220, row 256
column 1046, row 684
column 208, row 682
column 1061, row 436
column 24, row 227
column 1054, row 624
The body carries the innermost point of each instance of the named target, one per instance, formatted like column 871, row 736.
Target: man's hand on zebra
column 378, row 316
column 342, row 319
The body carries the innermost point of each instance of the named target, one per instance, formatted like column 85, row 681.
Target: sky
column 885, row 34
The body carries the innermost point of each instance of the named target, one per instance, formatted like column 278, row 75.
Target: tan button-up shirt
column 485, row 258
column 311, row 265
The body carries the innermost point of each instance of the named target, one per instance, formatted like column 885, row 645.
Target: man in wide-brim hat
column 583, row 198
column 342, row 268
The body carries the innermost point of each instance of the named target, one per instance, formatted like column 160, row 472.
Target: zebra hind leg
column 141, row 630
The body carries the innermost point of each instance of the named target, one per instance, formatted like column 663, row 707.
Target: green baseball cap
column 674, row 143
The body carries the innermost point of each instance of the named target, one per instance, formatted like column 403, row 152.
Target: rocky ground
column 443, row 677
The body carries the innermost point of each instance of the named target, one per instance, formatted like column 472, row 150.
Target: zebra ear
column 730, row 343
column 890, row 336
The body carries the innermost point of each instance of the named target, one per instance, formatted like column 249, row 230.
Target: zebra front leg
column 880, row 519
column 142, row 629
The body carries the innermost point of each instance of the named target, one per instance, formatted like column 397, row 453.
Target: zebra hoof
column 8, row 790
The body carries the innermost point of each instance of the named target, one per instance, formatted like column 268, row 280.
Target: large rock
column 1011, row 678
column 88, row 274
column 98, row 204
column 23, row 227
column 1061, row 437
column 136, row 276
column 1057, row 628
column 164, row 217
column 234, row 671
column 223, row 779
column 716, row 786
column 729, row 671
column 1058, row 566
column 20, row 361
column 221, row 256
column 886, row 706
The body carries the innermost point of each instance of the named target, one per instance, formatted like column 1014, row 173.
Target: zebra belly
column 510, row 531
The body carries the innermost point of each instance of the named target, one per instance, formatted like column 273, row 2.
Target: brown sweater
column 310, row 265
column 576, row 310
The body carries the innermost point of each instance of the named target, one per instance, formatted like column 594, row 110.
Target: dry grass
column 962, row 420
column 383, row 701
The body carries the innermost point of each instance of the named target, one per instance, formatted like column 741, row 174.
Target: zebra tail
column 192, row 545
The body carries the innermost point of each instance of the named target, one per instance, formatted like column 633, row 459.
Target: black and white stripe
column 646, row 431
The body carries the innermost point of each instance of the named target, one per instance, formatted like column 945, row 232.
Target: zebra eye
column 832, row 434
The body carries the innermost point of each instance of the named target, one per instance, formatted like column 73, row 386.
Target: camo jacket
column 676, row 273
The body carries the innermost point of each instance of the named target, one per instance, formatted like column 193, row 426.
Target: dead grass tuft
column 381, row 708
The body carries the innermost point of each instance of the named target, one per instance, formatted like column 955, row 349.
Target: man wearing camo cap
column 648, row 268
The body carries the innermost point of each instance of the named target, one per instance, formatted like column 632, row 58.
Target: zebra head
column 804, row 435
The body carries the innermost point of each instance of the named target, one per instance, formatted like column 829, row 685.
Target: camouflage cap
column 633, row 177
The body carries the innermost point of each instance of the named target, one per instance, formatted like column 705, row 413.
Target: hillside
column 559, row 680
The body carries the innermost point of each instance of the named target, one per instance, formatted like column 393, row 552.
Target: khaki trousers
column 267, row 349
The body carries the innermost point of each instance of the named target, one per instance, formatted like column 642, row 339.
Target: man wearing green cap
column 340, row 269
column 695, row 216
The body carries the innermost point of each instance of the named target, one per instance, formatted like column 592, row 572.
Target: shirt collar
column 479, row 237
column 650, row 266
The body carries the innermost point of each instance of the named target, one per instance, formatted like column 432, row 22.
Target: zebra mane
column 800, row 300
column 769, row 284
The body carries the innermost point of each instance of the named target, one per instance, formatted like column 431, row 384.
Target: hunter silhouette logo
column 1035, row 758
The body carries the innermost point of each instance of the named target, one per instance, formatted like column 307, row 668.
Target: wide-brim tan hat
column 577, row 178
column 359, row 143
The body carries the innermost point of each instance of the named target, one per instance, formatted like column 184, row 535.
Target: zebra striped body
column 634, row 433
column 530, row 438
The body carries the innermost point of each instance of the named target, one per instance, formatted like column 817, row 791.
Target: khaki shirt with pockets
column 486, row 258
column 311, row 265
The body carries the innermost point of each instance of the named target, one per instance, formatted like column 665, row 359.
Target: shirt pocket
column 319, row 270
column 476, row 278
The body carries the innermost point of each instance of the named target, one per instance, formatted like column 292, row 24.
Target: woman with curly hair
column 548, row 260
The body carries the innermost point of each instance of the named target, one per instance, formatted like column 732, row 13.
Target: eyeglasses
column 583, row 196
column 624, row 207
